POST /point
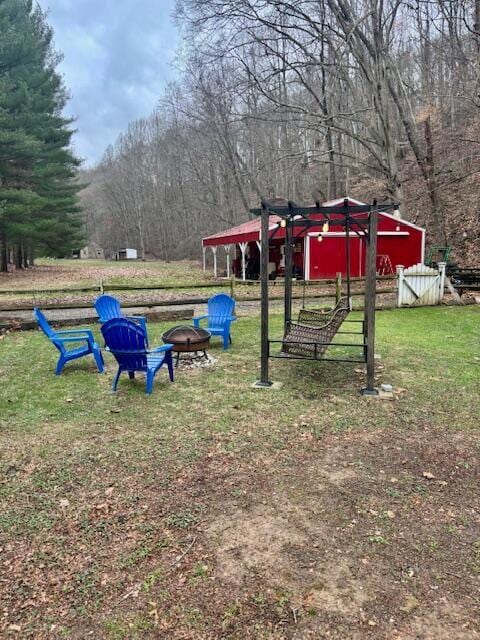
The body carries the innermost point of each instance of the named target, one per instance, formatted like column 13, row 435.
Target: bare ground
column 366, row 535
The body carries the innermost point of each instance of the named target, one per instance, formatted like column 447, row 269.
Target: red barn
column 318, row 254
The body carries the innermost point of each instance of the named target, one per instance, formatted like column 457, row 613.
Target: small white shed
column 126, row 254
column 90, row 251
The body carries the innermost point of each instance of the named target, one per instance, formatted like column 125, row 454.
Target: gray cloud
column 117, row 60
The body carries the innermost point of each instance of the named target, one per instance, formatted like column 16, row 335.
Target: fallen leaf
column 109, row 491
column 64, row 503
column 428, row 475
column 115, row 410
column 411, row 603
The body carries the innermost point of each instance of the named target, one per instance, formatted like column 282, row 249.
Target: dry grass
column 50, row 274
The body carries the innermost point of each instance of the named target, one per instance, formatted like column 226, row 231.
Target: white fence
column 420, row 285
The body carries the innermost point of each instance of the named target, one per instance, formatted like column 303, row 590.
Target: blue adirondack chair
column 126, row 340
column 82, row 337
column 220, row 316
column 109, row 307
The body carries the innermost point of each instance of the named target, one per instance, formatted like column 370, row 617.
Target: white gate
column 420, row 285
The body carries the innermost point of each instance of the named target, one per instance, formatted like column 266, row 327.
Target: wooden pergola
column 361, row 220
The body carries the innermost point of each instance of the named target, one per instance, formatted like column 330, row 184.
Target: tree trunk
column 3, row 254
column 476, row 26
column 332, row 174
column 18, row 256
column 437, row 209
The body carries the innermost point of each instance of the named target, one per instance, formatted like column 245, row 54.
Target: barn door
column 420, row 285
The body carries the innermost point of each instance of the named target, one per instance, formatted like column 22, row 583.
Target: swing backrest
column 316, row 318
column 312, row 340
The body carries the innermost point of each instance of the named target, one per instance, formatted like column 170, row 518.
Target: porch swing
column 309, row 337
column 314, row 331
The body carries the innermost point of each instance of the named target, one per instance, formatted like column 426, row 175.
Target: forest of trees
column 371, row 98
column 39, row 208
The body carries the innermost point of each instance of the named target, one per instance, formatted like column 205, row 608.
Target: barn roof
column 246, row 232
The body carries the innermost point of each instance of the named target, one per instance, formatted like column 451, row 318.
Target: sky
column 118, row 57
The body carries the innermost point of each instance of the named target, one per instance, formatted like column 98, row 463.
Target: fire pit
column 188, row 339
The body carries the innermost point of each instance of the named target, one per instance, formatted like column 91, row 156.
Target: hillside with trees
column 39, row 209
column 302, row 99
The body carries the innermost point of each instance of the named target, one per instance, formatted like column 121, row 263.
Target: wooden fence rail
column 174, row 303
column 100, row 288
column 33, row 292
column 214, row 284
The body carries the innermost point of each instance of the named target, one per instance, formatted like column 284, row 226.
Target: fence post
column 441, row 272
column 100, row 286
column 232, row 286
column 338, row 287
column 400, row 269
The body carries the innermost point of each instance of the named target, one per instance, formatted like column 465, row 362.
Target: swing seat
column 312, row 334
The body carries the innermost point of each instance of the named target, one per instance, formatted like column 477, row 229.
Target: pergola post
column 204, row 255
column 288, row 272
column 347, row 249
column 243, row 249
column 214, row 249
column 264, row 381
column 370, row 300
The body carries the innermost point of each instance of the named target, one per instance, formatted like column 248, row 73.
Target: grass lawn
column 210, row 510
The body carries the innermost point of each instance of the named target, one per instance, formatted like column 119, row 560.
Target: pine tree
column 38, row 204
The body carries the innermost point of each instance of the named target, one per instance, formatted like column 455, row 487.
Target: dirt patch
column 449, row 622
column 340, row 475
column 257, row 543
